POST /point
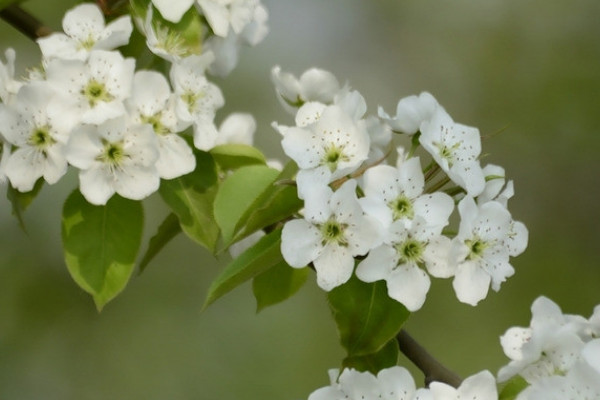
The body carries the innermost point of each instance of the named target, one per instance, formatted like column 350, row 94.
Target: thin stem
column 432, row 368
column 24, row 22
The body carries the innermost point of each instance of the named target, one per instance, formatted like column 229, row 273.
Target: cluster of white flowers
column 396, row 383
column 89, row 108
column 558, row 354
column 392, row 219
column 232, row 23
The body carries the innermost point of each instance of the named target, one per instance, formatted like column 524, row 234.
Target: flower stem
column 432, row 368
column 24, row 22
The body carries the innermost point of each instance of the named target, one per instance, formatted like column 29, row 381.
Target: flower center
column 191, row 99
column 401, row 207
column 333, row 155
column 112, row 153
column 333, row 231
column 41, row 139
column 155, row 121
column 447, row 153
column 476, row 248
column 95, row 92
column 410, row 251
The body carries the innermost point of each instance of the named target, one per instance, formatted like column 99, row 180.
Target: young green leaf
column 387, row 357
column 166, row 232
column 191, row 198
column 277, row 203
column 277, row 284
column 237, row 195
column 257, row 259
column 234, row 156
column 20, row 201
column 100, row 244
column 512, row 388
column 366, row 317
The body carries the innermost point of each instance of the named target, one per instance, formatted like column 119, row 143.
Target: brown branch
column 24, row 22
column 432, row 368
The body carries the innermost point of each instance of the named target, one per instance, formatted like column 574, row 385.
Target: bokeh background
column 528, row 69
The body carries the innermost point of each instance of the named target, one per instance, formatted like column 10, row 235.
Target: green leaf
column 387, row 357
column 191, row 198
column 20, row 201
column 237, row 195
column 277, row 203
column 512, row 388
column 166, row 232
column 100, row 244
column 366, row 317
column 277, row 284
column 263, row 255
column 234, row 156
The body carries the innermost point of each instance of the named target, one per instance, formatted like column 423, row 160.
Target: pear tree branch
column 26, row 23
column 432, row 368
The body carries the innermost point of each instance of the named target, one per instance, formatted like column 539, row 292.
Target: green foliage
column 278, row 202
column 277, row 284
column 385, row 358
column 234, row 156
column 512, row 388
column 237, row 196
column 191, row 198
column 101, row 243
column 366, row 317
column 166, row 231
column 257, row 259
column 20, row 201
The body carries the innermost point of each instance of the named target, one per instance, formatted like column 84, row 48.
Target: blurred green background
column 528, row 69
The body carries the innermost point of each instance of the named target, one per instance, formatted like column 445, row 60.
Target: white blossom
column 333, row 231
column 455, row 148
column 197, row 99
column 152, row 103
column 313, row 85
column 394, row 383
column 94, row 90
column 329, row 149
column 114, row 157
column 411, row 112
column 480, row 252
column 85, row 31
column 481, row 386
column 35, row 125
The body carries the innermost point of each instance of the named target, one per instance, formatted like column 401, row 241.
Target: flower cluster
column 392, row 220
column 558, row 354
column 231, row 24
column 396, row 383
column 88, row 107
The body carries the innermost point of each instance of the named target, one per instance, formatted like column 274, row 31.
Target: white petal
column 300, row 243
column 217, row 16
column 136, row 182
column 237, row 128
column 318, row 85
column 96, row 185
column 172, row 10
column 481, row 386
column 437, row 257
column 378, row 264
column 334, row 266
column 409, row 285
column 471, row 283
column 175, row 157
column 83, row 21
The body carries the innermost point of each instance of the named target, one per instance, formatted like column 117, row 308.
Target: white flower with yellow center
column 334, row 230
column 85, row 31
column 34, row 124
column 94, row 90
column 115, row 157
